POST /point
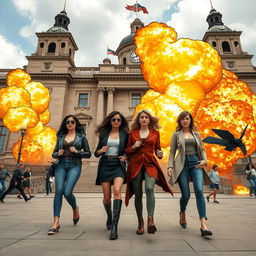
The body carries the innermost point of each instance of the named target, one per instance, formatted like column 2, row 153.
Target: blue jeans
column 3, row 186
column 252, row 180
column 67, row 174
column 188, row 172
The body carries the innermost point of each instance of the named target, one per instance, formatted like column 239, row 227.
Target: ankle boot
column 151, row 226
column 116, row 215
column 140, row 229
column 109, row 214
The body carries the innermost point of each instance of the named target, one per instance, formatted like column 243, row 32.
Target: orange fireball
column 17, row 77
column 239, row 189
column 45, row 117
column 36, row 130
column 31, row 153
column 47, row 139
column 40, row 96
column 188, row 75
column 13, row 96
column 20, row 118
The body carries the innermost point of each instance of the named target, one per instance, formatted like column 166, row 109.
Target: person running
column 214, row 176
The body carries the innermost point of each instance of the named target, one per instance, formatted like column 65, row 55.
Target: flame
column 36, row 130
column 47, row 139
column 238, row 189
column 17, row 77
column 40, row 96
column 45, row 117
column 31, row 151
column 185, row 74
column 20, row 118
column 13, row 96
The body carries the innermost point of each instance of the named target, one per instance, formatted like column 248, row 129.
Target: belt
column 112, row 156
column 188, row 155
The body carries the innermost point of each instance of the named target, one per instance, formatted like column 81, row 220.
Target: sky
column 97, row 24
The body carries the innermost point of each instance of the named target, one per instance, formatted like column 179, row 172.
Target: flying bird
column 228, row 140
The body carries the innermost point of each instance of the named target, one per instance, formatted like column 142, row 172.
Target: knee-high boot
column 116, row 215
column 109, row 214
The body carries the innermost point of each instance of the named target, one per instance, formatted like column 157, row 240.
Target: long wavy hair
column 181, row 116
column 63, row 127
column 153, row 121
column 106, row 126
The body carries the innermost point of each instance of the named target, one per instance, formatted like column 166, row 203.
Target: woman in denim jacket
column 71, row 147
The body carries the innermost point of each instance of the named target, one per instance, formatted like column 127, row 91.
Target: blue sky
column 98, row 23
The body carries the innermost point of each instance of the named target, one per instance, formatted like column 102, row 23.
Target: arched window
column 226, row 46
column 211, row 20
column 70, row 52
column 216, row 19
column 65, row 22
column 42, row 45
column 60, row 20
column 124, row 61
column 214, row 44
column 236, row 43
column 51, row 48
column 63, row 45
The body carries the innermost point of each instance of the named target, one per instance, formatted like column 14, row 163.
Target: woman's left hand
column 73, row 149
column 123, row 158
column 159, row 153
column 200, row 164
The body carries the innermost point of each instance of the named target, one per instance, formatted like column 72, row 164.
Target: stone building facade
column 92, row 92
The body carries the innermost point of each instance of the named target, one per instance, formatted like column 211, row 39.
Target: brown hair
column 214, row 166
column 153, row 121
column 182, row 115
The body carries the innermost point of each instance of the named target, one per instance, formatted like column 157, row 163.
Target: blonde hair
column 153, row 121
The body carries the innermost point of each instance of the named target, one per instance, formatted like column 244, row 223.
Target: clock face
column 134, row 58
column 54, row 29
column 221, row 27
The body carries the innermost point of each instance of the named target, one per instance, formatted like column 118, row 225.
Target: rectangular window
column 83, row 100
column 135, row 99
column 3, row 137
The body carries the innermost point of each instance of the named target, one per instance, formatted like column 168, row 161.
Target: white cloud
column 12, row 56
column 98, row 23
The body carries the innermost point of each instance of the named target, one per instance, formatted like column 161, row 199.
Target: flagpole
column 107, row 51
column 136, row 9
column 65, row 5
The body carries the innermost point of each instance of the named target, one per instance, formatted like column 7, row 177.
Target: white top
column 113, row 145
column 252, row 171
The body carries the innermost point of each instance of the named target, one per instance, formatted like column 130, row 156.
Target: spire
column 211, row 4
column 65, row 5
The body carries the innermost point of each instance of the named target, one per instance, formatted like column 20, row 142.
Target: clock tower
column 126, row 49
column 55, row 48
column 227, row 42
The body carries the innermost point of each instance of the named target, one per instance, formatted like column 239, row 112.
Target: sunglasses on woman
column 116, row 120
column 70, row 122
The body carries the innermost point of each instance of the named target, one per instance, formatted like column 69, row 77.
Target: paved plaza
column 24, row 226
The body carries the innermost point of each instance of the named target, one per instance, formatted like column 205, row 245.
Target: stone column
column 110, row 99
column 100, row 104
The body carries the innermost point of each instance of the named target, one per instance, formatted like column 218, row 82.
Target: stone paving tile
column 7, row 242
column 229, row 245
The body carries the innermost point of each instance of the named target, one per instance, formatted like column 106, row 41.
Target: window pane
column 3, row 136
column 135, row 99
column 83, row 100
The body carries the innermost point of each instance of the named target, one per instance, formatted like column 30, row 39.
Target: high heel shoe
column 206, row 232
column 151, row 226
column 76, row 220
column 140, row 229
column 183, row 225
column 53, row 231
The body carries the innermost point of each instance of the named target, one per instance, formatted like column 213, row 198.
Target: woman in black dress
column 113, row 137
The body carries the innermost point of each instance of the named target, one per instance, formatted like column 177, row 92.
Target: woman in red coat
column 144, row 141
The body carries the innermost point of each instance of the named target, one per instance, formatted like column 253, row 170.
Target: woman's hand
column 137, row 144
column 201, row 164
column 159, row 153
column 60, row 152
column 170, row 171
column 104, row 149
column 123, row 158
column 73, row 149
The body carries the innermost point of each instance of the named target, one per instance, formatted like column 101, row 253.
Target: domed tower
column 227, row 42
column 56, row 48
column 126, row 49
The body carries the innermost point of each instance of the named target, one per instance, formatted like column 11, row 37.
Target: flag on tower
column 111, row 52
column 136, row 8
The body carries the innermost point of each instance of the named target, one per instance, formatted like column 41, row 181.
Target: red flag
column 136, row 8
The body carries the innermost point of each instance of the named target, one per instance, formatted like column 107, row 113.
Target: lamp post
column 23, row 132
